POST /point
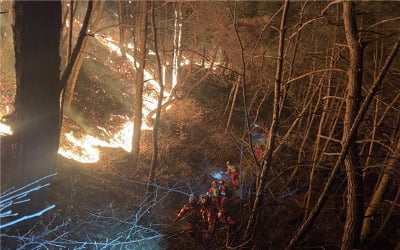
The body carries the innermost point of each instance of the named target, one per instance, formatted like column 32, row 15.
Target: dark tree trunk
column 37, row 102
column 139, row 84
column 154, row 159
column 355, row 198
column 72, row 69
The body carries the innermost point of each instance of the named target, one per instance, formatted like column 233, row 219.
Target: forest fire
column 200, row 124
column 85, row 149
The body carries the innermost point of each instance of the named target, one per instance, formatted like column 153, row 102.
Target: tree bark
column 355, row 192
column 141, row 56
column 37, row 102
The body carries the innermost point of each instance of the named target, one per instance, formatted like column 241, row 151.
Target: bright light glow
column 5, row 129
column 221, row 175
column 216, row 175
column 177, row 46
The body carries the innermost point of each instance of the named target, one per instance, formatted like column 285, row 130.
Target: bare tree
column 141, row 56
column 355, row 193
column 71, row 71
column 154, row 159
column 298, row 236
column 378, row 194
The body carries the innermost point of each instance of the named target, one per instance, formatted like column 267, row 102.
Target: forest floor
column 85, row 192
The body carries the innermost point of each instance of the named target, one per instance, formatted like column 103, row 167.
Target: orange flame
column 86, row 149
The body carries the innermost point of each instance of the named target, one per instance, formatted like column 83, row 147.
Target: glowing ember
column 5, row 129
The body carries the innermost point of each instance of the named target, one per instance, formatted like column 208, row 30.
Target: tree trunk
column 387, row 218
column 355, row 193
column 378, row 194
column 255, row 212
column 37, row 102
column 235, row 90
column 159, row 104
column 141, row 55
column 71, row 72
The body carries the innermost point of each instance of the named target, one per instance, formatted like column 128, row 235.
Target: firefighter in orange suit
column 208, row 215
column 233, row 172
column 191, row 213
column 213, row 192
column 228, row 222
column 223, row 194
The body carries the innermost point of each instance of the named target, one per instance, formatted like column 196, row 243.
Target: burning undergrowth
column 84, row 146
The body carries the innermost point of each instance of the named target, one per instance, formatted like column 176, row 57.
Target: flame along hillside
column 103, row 81
column 85, row 149
column 111, row 81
